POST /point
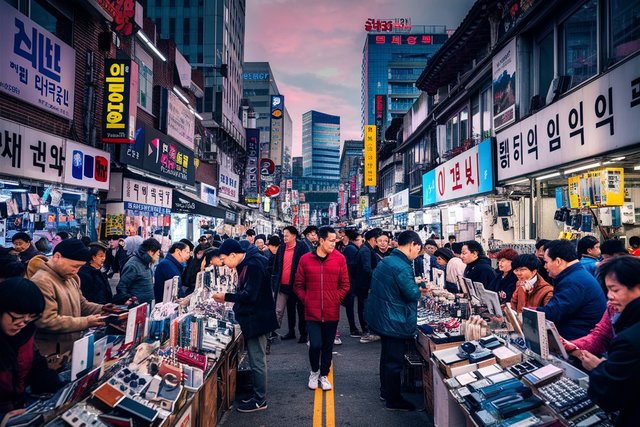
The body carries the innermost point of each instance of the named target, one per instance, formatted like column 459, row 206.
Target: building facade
column 321, row 144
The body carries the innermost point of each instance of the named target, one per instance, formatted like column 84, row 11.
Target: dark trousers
column 321, row 336
column 391, row 362
column 349, row 302
column 294, row 304
column 362, row 299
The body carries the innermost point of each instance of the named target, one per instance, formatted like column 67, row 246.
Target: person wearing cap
column 136, row 279
column 310, row 236
column 67, row 313
column 453, row 265
column 254, row 309
column 93, row 282
column 22, row 244
column 505, row 283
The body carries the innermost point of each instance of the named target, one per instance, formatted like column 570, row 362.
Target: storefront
column 49, row 184
column 191, row 217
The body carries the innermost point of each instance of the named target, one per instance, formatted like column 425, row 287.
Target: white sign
column 400, row 202
column 35, row 66
column 86, row 166
column 184, row 70
column 504, row 86
column 139, row 192
column 208, row 194
column 600, row 117
column 180, row 121
column 228, row 181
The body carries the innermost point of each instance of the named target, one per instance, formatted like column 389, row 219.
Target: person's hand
column 218, row 297
column 589, row 361
column 131, row 301
column 109, row 308
column 95, row 320
column 423, row 291
column 10, row 415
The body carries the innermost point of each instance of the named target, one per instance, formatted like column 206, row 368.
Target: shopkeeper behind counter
column 21, row 365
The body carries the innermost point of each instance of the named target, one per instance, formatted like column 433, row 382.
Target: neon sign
column 387, row 25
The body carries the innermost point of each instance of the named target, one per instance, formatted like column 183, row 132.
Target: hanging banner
column 208, row 194
column 228, row 180
column 36, row 66
column 120, row 101
column 137, row 193
column 86, row 166
column 370, row 162
column 504, row 86
column 252, row 174
column 181, row 122
column 277, row 129
column 381, row 113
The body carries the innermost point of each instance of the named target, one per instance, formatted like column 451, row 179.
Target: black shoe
column 355, row 333
column 247, row 400
column 302, row 339
column 382, row 398
column 402, row 405
column 289, row 337
column 253, row 406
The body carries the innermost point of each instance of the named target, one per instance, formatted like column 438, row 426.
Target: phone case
column 108, row 394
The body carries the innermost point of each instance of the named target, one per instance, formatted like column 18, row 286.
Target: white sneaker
column 325, row 384
column 313, row 379
column 374, row 337
column 365, row 338
column 337, row 341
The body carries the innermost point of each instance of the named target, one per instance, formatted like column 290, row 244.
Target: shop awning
column 190, row 204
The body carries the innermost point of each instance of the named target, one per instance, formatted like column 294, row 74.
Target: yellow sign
column 600, row 188
column 574, row 192
column 612, row 186
column 370, row 162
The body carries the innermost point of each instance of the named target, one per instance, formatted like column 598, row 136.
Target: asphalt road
column 355, row 395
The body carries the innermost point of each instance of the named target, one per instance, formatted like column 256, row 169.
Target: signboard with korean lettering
column 597, row 118
column 407, row 39
column 208, row 194
column 119, row 105
column 36, row 66
column 86, row 166
column 380, row 115
column 370, row 155
column 467, row 174
column 131, row 154
column 277, row 128
column 228, row 180
column 180, row 121
column 140, row 195
column 167, row 158
column 252, row 173
column 400, row 202
column 504, row 86
column 122, row 12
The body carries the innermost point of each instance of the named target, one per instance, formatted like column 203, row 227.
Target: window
column 624, row 28
column 464, row 124
column 145, row 78
column 476, row 130
column 486, row 105
column 580, row 43
column 544, row 50
column 52, row 20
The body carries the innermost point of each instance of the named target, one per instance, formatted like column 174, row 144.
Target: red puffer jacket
column 322, row 284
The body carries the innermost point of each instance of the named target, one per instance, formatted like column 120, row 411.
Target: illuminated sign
column 380, row 113
column 122, row 13
column 370, row 155
column 256, row 76
column 407, row 40
column 382, row 25
column 277, row 128
column 120, row 101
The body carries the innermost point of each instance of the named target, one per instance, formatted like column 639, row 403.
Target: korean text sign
column 228, row 181
column 136, row 193
column 35, row 66
column 467, row 174
column 369, row 155
column 119, row 106
column 180, row 121
column 597, row 118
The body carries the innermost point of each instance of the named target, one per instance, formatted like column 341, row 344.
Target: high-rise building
column 296, row 167
column 210, row 34
column 321, row 144
column 391, row 63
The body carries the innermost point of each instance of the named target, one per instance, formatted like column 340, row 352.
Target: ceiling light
column 636, row 168
column 180, row 95
column 519, row 181
column 151, row 46
column 581, row 168
column 551, row 175
column 9, row 182
column 617, row 159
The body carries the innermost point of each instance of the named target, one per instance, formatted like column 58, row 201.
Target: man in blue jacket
column 136, row 278
column 366, row 261
column 578, row 303
column 392, row 311
column 171, row 266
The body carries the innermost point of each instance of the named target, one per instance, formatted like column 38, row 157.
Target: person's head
column 371, row 236
column 289, row 235
column 21, row 241
column 180, row 251
column 63, row 235
column 231, row 253
column 456, row 248
column 251, row 236
column 259, row 242
column 634, row 242
column 10, row 265
column 505, row 258
column 273, row 243
column 311, row 233
column 198, row 251
column 21, row 302
column 202, row 239
column 327, row 238
column 612, row 248
column 558, row 256
column 409, row 244
column 382, row 242
column 188, row 243
column 152, row 247
column 98, row 254
column 525, row 266
column 471, row 251
column 68, row 256
column 623, row 282
column 452, row 238
column 589, row 246
column 443, row 255
column 540, row 248
column 212, row 257
column 430, row 247
column 86, row 240
column 359, row 240
column 350, row 236
column 42, row 245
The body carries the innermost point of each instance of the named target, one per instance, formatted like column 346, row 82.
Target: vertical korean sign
column 370, row 155
column 35, row 66
column 277, row 129
column 119, row 105
column 504, row 86
column 381, row 112
column 252, row 174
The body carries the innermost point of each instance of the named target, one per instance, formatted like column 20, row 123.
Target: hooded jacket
column 136, row 278
column 322, row 284
column 254, row 306
column 65, row 311
column 480, row 271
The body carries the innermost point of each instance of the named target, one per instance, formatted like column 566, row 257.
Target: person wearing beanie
column 136, row 278
column 67, row 313
column 454, row 267
column 22, row 244
column 505, row 283
column 21, row 364
column 10, row 264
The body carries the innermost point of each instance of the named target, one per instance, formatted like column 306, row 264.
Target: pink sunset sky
column 315, row 47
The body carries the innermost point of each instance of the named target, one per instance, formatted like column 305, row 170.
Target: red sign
column 404, row 39
column 122, row 12
column 398, row 24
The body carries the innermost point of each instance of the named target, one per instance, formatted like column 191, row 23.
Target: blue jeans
column 256, row 350
column 321, row 336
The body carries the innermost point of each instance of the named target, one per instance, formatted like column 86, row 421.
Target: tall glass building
column 391, row 63
column 321, row 145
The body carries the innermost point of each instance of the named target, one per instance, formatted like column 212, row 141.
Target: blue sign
column 429, row 188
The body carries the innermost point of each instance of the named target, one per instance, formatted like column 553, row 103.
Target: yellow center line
column 330, row 413
column 317, row 408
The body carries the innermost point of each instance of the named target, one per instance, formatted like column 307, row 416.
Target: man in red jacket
column 322, row 282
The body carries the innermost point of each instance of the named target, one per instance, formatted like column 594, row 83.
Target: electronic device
column 535, row 332
column 438, row 277
column 136, row 408
column 523, row 368
column 566, row 397
column 475, row 298
column 505, row 224
column 492, row 301
column 26, row 419
column 504, row 208
column 554, row 341
column 463, row 286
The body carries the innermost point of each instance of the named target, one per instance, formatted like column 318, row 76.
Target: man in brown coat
column 67, row 313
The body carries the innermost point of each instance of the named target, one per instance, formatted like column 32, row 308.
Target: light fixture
column 636, row 168
column 581, row 168
column 519, row 181
column 153, row 47
column 180, row 95
column 614, row 160
column 195, row 113
column 551, row 175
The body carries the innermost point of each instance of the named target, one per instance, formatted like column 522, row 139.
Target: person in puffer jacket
column 322, row 283
column 136, row 278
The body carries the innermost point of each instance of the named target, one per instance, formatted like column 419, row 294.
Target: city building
column 350, row 177
column 321, row 144
column 296, row 167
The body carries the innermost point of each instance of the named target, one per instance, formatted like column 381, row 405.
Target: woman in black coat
column 505, row 283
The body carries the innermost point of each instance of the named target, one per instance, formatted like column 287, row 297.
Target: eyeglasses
column 25, row 319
